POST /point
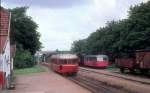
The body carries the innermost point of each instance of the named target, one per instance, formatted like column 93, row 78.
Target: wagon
column 141, row 62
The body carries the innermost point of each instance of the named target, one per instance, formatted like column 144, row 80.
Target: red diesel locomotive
column 98, row 61
column 65, row 63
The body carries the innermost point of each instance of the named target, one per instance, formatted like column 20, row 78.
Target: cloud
column 59, row 31
column 48, row 3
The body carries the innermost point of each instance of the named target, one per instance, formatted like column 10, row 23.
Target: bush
column 23, row 59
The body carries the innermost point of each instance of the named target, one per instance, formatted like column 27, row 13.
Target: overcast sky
column 63, row 21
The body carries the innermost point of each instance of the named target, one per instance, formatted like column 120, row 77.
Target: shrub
column 23, row 59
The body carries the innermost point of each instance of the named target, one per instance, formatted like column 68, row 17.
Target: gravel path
column 46, row 82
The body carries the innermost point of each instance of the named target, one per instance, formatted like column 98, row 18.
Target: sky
column 63, row 21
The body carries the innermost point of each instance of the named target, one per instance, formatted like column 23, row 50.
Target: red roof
column 4, row 27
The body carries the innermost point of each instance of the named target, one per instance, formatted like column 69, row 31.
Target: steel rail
column 121, row 77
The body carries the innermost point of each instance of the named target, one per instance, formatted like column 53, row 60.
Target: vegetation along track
column 117, row 76
column 93, row 85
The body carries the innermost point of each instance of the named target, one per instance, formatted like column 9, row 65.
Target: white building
column 5, row 59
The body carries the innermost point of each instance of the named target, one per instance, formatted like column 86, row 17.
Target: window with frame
column 63, row 61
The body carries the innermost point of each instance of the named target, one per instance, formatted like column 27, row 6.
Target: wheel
column 122, row 70
column 74, row 74
column 132, row 70
column 144, row 71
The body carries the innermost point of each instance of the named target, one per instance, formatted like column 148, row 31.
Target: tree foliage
column 80, row 46
column 120, row 38
column 23, row 30
column 23, row 59
column 24, row 35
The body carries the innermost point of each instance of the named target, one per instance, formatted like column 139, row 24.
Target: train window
column 105, row 58
column 70, row 61
column 52, row 60
column 99, row 59
column 65, row 61
column 86, row 58
column 92, row 58
column 62, row 61
column 102, row 58
column 74, row 61
column 55, row 61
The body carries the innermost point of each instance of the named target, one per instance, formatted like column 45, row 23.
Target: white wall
column 1, row 65
column 6, row 59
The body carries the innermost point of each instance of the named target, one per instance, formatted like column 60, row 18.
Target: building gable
column 4, row 27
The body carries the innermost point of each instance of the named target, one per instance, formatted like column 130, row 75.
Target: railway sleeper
column 100, row 87
column 139, row 81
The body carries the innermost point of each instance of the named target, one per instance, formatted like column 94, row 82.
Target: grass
column 111, row 67
column 31, row 70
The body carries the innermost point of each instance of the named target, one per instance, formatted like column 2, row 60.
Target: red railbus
column 100, row 61
column 65, row 63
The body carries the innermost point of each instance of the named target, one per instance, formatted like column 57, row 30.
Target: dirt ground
column 46, row 82
column 130, row 86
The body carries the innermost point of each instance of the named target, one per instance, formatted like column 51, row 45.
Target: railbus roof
column 65, row 56
column 96, row 56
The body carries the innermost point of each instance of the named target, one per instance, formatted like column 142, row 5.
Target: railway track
column 93, row 85
column 117, row 76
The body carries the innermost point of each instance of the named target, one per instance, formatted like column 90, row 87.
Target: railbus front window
column 63, row 61
column 99, row 58
column 102, row 58
column 74, row 61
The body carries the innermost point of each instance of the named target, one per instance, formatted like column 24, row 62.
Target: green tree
column 23, row 30
column 139, row 17
column 79, row 46
column 121, row 38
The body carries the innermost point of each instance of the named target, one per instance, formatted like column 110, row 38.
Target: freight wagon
column 141, row 62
